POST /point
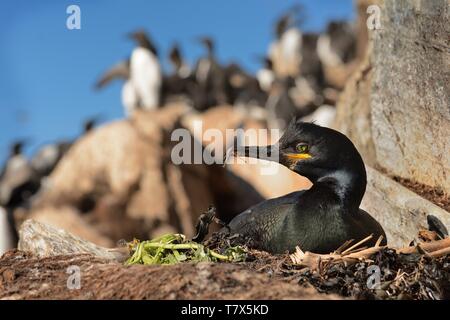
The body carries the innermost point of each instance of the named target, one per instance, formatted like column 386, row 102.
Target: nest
column 379, row 272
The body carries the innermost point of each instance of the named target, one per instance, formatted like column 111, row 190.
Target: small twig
column 343, row 246
column 377, row 244
column 357, row 244
column 440, row 253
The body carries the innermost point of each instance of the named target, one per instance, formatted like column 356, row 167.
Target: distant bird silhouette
column 180, row 84
column 179, row 65
column 311, row 66
column 19, row 180
column 265, row 75
column 285, row 51
column 243, row 88
column 280, row 106
column 145, row 71
column 338, row 44
column 210, row 78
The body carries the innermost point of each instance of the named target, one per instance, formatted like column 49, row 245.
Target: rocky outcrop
column 410, row 92
column 401, row 212
column 353, row 112
column 42, row 240
column 396, row 108
column 121, row 174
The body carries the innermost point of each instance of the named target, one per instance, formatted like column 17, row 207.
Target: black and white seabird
column 242, row 88
column 179, row 65
column 265, row 75
column 145, row 71
column 210, row 78
column 338, row 44
column 321, row 218
column 19, row 180
column 180, row 83
column 280, row 106
column 285, row 51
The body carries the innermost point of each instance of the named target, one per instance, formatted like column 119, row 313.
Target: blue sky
column 47, row 71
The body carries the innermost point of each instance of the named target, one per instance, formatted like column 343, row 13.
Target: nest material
column 414, row 272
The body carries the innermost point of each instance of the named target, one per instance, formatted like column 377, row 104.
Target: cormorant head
column 143, row 40
column 314, row 152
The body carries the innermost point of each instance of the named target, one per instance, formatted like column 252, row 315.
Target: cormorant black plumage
column 319, row 219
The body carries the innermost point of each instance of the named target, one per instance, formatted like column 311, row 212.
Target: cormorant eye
column 302, row 147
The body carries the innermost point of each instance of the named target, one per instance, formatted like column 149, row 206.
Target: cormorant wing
column 268, row 211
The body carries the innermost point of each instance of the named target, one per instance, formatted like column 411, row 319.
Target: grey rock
column 401, row 212
column 45, row 241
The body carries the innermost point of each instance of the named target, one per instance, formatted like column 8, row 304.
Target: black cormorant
column 321, row 218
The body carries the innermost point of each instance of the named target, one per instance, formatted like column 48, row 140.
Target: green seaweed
column 174, row 248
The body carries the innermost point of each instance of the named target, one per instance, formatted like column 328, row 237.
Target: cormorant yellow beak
column 298, row 156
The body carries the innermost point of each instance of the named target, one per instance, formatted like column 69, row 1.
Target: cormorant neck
column 348, row 184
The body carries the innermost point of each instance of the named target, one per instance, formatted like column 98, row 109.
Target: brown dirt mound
column 23, row 276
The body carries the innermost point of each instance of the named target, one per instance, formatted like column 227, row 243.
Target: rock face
column 353, row 113
column 396, row 109
column 411, row 91
column 401, row 212
column 401, row 94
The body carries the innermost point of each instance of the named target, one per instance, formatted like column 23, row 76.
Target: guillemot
column 337, row 45
column 210, row 78
column 265, row 75
column 19, row 181
column 285, row 51
column 145, row 71
column 321, row 218
column 180, row 83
